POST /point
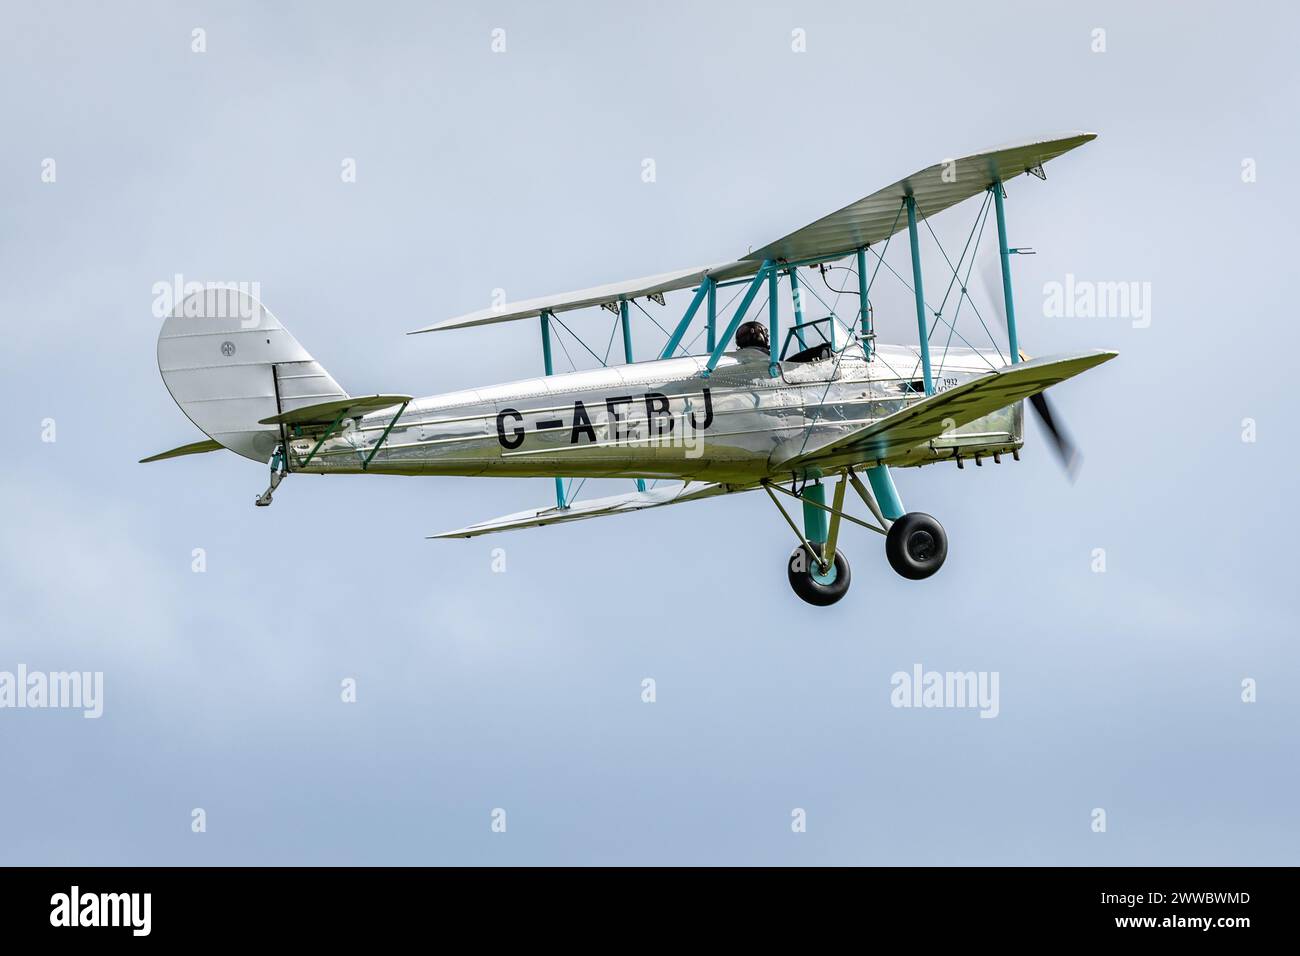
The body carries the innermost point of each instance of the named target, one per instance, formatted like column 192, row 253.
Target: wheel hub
column 921, row 545
column 823, row 574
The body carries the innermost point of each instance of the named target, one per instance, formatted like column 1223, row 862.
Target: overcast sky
column 522, row 170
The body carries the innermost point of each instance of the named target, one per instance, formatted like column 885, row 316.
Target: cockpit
column 815, row 341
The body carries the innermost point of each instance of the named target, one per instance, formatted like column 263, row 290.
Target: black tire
column 916, row 545
column 818, row 589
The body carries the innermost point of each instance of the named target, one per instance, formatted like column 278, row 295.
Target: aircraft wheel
column 916, row 545
column 814, row 585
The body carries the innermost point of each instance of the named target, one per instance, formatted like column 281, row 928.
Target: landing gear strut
column 915, row 543
column 278, row 471
column 818, row 571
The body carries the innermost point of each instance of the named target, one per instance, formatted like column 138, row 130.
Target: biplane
column 753, row 410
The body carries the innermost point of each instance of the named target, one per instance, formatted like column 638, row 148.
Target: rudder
column 229, row 363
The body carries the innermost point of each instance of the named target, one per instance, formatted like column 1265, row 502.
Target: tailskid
column 278, row 471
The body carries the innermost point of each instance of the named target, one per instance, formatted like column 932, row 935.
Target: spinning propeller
column 1066, row 451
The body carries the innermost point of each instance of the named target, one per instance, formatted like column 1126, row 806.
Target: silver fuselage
column 664, row 419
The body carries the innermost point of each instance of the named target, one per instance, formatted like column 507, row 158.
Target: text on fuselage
column 613, row 416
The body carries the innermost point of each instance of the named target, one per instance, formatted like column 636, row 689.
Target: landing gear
column 817, row 582
column 818, row 571
column 916, row 545
column 278, row 471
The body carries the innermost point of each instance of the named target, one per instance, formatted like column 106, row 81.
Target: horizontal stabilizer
column 939, row 414
column 194, row 448
column 326, row 413
column 617, row 504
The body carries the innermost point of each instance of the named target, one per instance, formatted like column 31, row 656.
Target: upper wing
column 935, row 188
column 869, row 220
column 597, row 295
column 616, row 504
column 933, row 416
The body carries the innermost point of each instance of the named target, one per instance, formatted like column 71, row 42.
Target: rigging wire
column 909, row 288
column 610, row 344
column 651, row 318
column 556, row 318
column 979, row 220
column 974, row 251
column 573, row 366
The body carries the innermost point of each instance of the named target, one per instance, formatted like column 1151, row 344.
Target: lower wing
column 935, row 415
column 597, row 507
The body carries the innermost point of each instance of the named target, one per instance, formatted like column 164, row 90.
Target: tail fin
column 228, row 364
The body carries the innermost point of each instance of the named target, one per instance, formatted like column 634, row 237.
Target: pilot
column 752, row 335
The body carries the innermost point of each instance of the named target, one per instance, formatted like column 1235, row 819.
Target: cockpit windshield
column 817, row 340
